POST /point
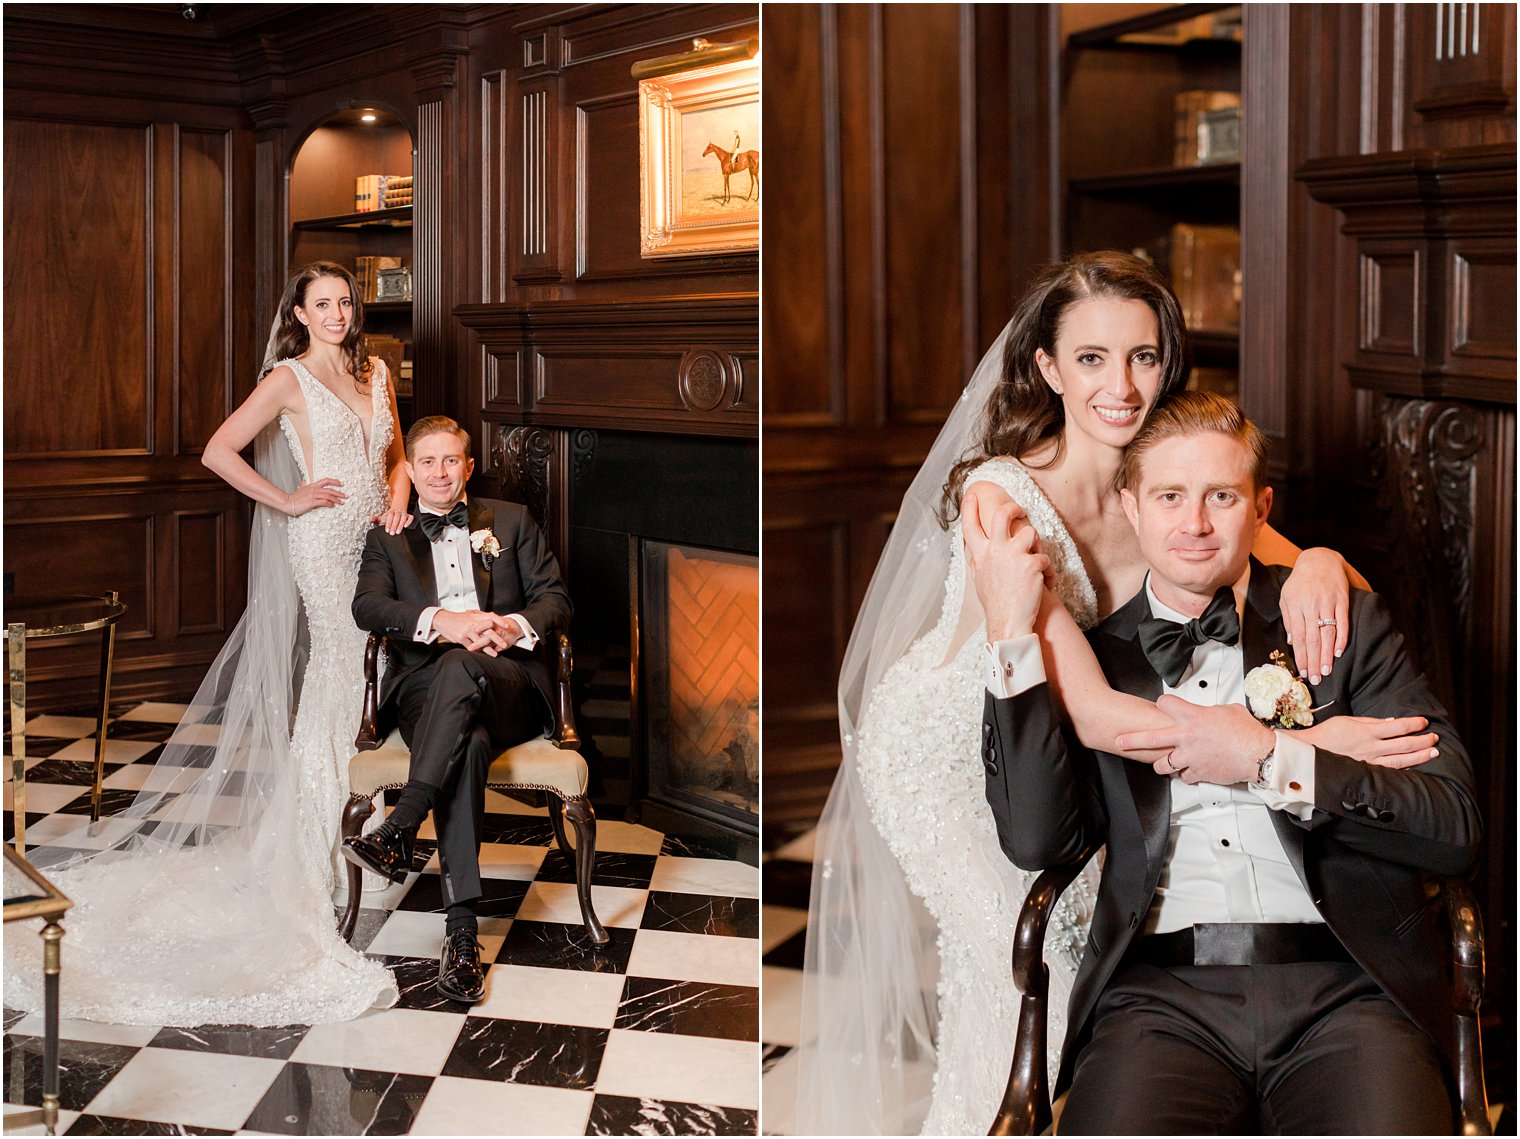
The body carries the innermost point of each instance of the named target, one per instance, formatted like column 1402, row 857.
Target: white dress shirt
column 1225, row 862
column 454, row 573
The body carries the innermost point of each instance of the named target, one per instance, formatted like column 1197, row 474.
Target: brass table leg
column 16, row 634
column 52, row 934
column 107, row 658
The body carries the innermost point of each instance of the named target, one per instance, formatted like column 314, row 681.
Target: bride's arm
column 276, row 394
column 1315, row 591
column 395, row 518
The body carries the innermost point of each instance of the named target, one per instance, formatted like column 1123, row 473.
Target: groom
column 1264, row 950
column 464, row 595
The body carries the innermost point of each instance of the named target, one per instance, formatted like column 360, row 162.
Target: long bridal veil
column 197, row 903
column 867, row 1049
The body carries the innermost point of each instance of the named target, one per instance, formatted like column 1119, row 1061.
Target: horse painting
column 732, row 164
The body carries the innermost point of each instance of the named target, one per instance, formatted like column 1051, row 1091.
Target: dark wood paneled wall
column 907, row 202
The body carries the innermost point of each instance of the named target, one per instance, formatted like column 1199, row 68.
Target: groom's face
column 439, row 470
column 1196, row 511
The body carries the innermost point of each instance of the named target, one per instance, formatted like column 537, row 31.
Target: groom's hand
column 478, row 631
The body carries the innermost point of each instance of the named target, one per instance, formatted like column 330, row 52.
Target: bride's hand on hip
column 1316, row 602
column 1394, row 741
column 311, row 495
column 394, row 520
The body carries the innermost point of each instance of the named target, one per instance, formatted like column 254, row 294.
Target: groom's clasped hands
column 478, row 631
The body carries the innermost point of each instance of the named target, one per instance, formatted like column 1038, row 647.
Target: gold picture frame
column 696, row 198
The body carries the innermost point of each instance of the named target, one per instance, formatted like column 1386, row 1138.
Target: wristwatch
column 1264, row 768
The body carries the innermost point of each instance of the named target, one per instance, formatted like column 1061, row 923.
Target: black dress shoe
column 461, row 977
column 387, row 850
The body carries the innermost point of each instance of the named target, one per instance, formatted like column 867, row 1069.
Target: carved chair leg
column 557, row 821
column 583, row 819
column 355, row 813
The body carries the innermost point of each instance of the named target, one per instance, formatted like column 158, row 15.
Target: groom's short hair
column 435, row 425
column 1196, row 413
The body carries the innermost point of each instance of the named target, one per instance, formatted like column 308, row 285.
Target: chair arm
column 565, row 735
column 369, row 738
column 1466, row 996
column 1025, row 1109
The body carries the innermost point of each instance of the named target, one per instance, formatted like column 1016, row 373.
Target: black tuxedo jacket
column 1367, row 855
column 397, row 582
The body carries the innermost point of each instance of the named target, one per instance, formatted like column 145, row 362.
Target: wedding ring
column 1172, row 765
column 1323, row 621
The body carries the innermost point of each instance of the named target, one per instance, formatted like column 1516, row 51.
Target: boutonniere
column 484, row 543
column 1278, row 697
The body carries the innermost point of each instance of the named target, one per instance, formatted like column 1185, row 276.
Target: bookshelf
column 324, row 224
column 1139, row 174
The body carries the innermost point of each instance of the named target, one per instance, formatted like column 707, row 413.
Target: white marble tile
column 780, row 1005
column 388, row 1040
column 117, row 751
column 410, row 933
column 132, row 1035
column 204, row 1089
column 777, row 923
column 551, row 996
column 46, row 797
column 626, row 838
column 130, row 777
column 376, row 893
column 500, row 804
column 507, row 860
column 65, row 1120
column 800, row 849
column 691, row 1069
column 153, row 713
column 556, row 901
column 719, row 876
column 778, row 1096
column 79, row 830
column 695, row 957
column 456, row 1106
column 61, row 727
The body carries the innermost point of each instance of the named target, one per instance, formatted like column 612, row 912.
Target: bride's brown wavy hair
column 290, row 338
column 1023, row 412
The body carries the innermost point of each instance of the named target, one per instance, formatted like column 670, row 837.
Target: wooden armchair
column 1026, row 1100
column 550, row 766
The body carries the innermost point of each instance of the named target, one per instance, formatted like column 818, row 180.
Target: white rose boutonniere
column 1278, row 697
column 484, row 543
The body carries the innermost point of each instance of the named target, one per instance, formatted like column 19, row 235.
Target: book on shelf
column 392, row 350
column 1206, row 275
column 367, row 274
column 1197, row 138
column 370, row 190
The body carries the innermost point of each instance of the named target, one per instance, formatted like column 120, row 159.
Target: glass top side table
column 35, row 618
column 29, row 895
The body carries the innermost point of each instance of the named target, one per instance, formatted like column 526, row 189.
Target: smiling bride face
column 326, row 309
column 1106, row 368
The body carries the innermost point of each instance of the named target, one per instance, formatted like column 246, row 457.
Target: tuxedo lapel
column 481, row 518
column 1124, row 664
column 420, row 551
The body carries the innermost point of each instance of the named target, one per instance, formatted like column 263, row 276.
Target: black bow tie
column 433, row 525
column 1169, row 645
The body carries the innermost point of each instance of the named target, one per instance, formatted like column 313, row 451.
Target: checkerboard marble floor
column 656, row 1034
column 787, row 877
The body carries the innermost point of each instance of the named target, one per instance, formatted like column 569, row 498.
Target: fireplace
column 696, row 680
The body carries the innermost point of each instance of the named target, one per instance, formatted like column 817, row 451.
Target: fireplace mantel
column 685, row 365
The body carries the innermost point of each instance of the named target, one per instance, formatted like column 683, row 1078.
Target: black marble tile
column 689, row 846
column 422, row 850
column 367, row 926
column 624, row 1115
column 83, row 1069
column 702, row 913
column 771, row 1055
column 417, row 979
column 12, row 1015
column 313, row 1099
column 68, row 772
column 690, row 1008
column 501, row 896
column 37, row 746
column 552, row 945
column 786, row 882
column 613, row 868
column 517, row 830
column 526, row 1052
column 139, row 730
column 111, row 1125
column 112, row 799
column 233, row 1040
column 788, row 955
column 32, row 819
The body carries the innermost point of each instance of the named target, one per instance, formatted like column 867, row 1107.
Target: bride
column 909, row 1007
column 209, row 899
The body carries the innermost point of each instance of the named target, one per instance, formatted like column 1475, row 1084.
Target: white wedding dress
column 209, row 900
column 921, row 775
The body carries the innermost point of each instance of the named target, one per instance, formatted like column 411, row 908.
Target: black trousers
column 1304, row 1049
column 456, row 714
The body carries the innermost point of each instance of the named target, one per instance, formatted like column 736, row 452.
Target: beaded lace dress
column 921, row 775
column 209, row 899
